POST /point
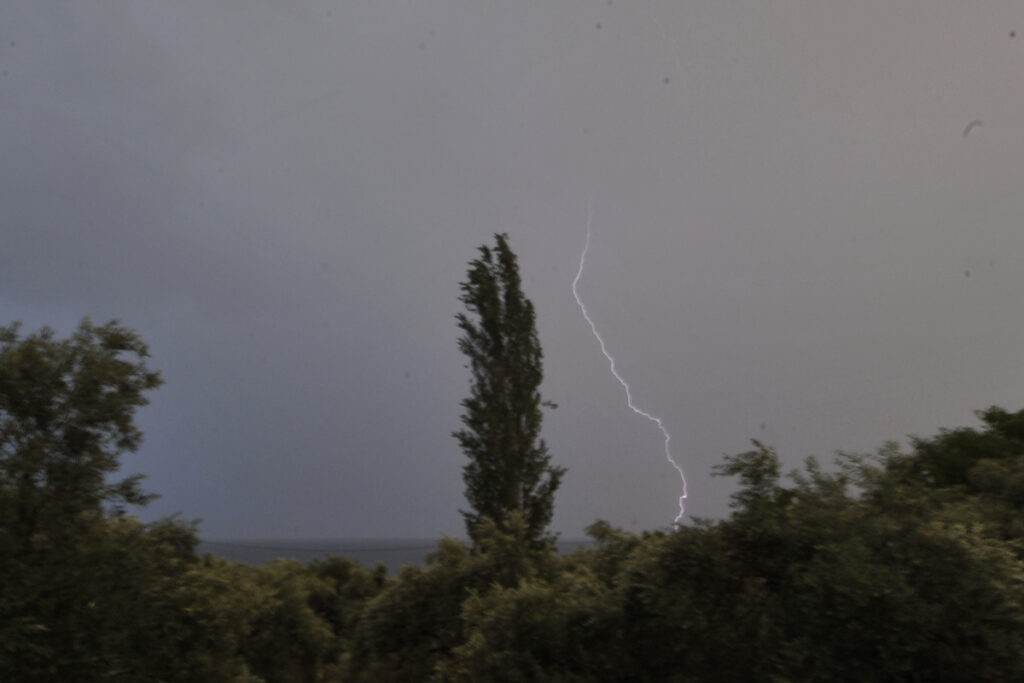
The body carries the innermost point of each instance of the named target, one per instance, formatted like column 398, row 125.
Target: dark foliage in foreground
column 897, row 566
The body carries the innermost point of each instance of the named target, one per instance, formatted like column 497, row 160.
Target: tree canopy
column 509, row 469
column 900, row 565
column 66, row 417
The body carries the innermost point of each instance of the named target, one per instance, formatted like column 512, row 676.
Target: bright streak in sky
column 615, row 373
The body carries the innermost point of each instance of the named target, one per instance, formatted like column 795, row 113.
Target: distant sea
column 392, row 553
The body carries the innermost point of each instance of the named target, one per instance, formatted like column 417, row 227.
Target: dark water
column 392, row 553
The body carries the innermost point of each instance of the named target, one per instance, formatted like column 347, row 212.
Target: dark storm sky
column 793, row 241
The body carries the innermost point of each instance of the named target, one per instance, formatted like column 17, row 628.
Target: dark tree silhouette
column 509, row 470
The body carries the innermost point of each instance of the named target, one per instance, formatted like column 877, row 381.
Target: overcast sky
column 793, row 239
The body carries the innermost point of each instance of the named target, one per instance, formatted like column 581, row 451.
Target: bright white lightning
column 615, row 373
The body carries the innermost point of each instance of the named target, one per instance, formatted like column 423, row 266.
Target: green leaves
column 758, row 471
column 890, row 566
column 509, row 469
column 66, row 416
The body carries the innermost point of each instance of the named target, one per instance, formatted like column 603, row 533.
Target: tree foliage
column 509, row 468
column 66, row 417
column 892, row 566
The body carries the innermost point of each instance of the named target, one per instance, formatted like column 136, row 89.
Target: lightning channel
column 615, row 373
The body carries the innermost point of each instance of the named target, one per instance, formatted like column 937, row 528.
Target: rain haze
column 806, row 230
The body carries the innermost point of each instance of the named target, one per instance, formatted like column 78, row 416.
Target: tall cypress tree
column 509, row 469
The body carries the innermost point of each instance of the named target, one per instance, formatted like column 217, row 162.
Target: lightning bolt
column 615, row 373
